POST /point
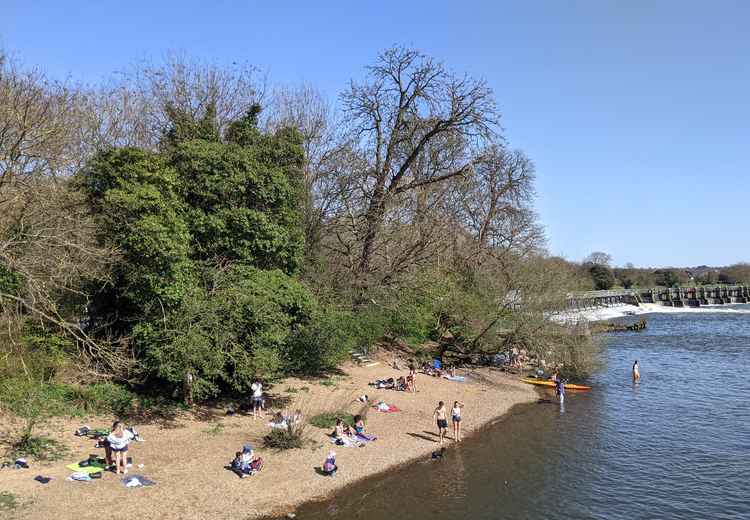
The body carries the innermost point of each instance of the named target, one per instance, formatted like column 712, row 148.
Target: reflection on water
column 675, row 445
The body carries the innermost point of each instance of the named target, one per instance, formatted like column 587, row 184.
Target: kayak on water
column 568, row 386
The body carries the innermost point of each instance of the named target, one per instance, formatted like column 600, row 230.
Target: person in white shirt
column 118, row 442
column 456, row 419
column 257, row 391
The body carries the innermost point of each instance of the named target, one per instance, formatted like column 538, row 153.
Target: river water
column 674, row 446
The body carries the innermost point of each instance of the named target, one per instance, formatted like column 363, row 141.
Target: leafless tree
column 598, row 258
column 46, row 233
column 408, row 105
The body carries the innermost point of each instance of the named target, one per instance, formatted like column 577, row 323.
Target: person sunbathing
column 401, row 384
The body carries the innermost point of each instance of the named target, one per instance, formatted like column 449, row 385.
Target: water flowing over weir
column 672, row 447
column 668, row 296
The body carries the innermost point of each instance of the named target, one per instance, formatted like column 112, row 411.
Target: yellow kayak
column 568, row 386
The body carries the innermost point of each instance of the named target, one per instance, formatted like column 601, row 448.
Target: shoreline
column 186, row 456
column 473, row 436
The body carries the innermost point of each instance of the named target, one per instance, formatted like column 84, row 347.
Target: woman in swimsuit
column 359, row 425
column 442, row 421
column 456, row 419
column 636, row 372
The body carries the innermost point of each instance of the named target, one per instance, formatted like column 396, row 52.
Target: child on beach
column 442, row 422
column 245, row 463
column 118, row 442
column 329, row 466
column 456, row 419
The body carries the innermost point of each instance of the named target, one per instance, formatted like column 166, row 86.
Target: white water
column 608, row 313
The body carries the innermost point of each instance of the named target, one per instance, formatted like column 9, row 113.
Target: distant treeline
column 602, row 276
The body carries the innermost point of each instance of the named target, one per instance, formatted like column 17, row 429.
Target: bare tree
column 47, row 236
column 598, row 258
column 408, row 105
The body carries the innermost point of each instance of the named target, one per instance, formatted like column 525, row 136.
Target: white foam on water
column 608, row 313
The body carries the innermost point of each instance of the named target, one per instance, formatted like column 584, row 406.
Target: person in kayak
column 636, row 372
column 560, row 390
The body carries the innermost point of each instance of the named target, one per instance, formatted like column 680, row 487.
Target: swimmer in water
column 636, row 372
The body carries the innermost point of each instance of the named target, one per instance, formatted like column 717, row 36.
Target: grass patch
column 304, row 389
column 328, row 382
column 291, row 390
column 328, row 419
column 8, row 501
column 216, row 429
column 38, row 448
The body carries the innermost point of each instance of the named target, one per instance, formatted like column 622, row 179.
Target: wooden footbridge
column 670, row 296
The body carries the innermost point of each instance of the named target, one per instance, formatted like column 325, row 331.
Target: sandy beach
column 187, row 454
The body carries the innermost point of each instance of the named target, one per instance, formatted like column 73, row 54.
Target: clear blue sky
column 636, row 113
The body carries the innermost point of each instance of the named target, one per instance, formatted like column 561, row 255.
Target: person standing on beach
column 257, row 390
column 442, row 421
column 456, row 419
column 636, row 372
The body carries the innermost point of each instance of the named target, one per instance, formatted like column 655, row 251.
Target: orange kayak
column 568, row 386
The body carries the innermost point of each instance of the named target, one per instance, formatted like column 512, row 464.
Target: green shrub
column 291, row 437
column 8, row 501
column 101, row 398
column 40, row 448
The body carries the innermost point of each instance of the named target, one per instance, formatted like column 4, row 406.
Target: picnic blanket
column 460, row 379
column 93, row 467
column 366, row 437
column 347, row 441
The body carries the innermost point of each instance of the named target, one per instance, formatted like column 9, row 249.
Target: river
column 674, row 446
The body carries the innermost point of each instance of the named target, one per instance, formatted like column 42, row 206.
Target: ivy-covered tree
column 209, row 233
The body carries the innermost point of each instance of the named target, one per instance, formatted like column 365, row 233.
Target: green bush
column 39, row 448
column 291, row 437
column 101, row 398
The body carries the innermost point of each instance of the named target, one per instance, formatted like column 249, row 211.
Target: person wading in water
column 636, row 372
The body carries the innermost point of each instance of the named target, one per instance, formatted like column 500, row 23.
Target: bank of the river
column 186, row 455
column 673, row 446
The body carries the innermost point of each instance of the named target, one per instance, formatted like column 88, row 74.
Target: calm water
column 675, row 446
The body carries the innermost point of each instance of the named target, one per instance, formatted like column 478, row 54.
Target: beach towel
column 80, row 476
column 346, row 442
column 366, row 437
column 93, row 467
column 460, row 379
column 137, row 481
column 387, row 408
column 280, row 425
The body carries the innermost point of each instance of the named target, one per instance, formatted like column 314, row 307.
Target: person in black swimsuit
column 442, row 420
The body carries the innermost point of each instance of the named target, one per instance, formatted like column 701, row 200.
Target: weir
column 669, row 296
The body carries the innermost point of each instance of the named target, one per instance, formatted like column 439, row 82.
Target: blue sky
column 636, row 113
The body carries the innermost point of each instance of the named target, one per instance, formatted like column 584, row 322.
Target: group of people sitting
column 282, row 419
column 245, row 462
column 351, row 435
column 402, row 383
